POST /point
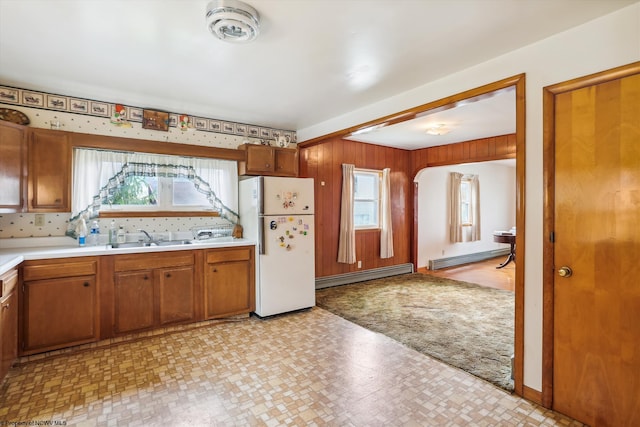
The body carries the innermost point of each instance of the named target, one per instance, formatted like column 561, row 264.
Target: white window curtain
column 475, row 209
column 455, row 221
column 456, row 229
column 386, row 232
column 347, row 238
column 96, row 172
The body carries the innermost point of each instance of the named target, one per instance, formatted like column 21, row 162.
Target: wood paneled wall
column 477, row 150
column 323, row 162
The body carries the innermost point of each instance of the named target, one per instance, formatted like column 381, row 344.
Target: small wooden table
column 507, row 238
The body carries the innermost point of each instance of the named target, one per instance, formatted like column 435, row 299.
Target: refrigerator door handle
column 261, row 250
column 261, row 196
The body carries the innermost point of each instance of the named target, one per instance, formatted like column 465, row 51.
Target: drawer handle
column 86, row 284
column 5, row 307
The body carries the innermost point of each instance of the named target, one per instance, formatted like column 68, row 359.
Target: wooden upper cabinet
column 13, row 167
column 49, row 171
column 286, row 162
column 268, row 160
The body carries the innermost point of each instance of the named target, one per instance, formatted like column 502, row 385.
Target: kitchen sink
column 173, row 242
column 148, row 244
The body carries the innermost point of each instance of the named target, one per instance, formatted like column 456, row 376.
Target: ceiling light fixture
column 438, row 129
column 233, row 21
column 368, row 129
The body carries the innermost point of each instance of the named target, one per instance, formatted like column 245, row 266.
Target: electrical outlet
column 359, row 264
column 39, row 221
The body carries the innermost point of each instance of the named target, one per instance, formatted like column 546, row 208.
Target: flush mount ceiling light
column 438, row 129
column 233, row 21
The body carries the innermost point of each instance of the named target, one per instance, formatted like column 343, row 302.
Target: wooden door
column 176, row 293
column 228, row 289
column 59, row 313
column 13, row 164
column 286, row 162
column 260, row 159
column 596, row 254
column 8, row 332
column 49, row 171
column 133, row 301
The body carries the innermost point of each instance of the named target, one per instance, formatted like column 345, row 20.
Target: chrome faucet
column 151, row 239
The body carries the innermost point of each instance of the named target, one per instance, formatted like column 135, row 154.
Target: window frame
column 165, row 201
column 123, row 211
column 466, row 202
column 377, row 201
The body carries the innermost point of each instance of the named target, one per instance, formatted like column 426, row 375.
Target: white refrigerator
column 277, row 212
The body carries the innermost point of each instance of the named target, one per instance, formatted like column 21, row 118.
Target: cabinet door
column 228, row 289
column 286, row 162
column 13, row 151
column 8, row 333
column 133, row 302
column 49, row 171
column 176, row 295
column 59, row 313
column 260, row 158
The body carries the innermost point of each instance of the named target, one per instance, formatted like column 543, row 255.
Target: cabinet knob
column 146, row 277
column 5, row 307
column 86, row 284
column 267, row 165
column 215, row 270
column 168, row 275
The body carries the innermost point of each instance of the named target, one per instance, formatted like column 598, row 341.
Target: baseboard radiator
column 361, row 276
column 436, row 264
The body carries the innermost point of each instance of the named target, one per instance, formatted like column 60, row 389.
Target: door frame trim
column 548, row 119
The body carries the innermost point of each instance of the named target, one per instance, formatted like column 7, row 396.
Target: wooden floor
column 483, row 273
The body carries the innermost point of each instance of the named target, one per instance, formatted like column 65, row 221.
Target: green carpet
column 462, row 324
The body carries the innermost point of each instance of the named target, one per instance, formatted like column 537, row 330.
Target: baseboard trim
column 534, row 396
column 436, row 264
column 361, row 276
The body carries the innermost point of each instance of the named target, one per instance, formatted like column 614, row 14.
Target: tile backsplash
column 56, row 224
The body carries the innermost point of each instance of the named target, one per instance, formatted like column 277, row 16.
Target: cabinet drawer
column 8, row 282
column 226, row 255
column 156, row 260
column 59, row 269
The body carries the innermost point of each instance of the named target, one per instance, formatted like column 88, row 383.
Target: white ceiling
column 484, row 118
column 314, row 59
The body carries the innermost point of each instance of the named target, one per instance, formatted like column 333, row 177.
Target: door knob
column 564, row 272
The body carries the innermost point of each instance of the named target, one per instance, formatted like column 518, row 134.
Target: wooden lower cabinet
column 8, row 332
column 133, row 301
column 59, row 307
column 152, row 290
column 77, row 300
column 229, row 282
column 8, row 321
column 176, row 295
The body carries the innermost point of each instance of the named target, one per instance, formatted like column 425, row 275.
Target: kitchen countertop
column 14, row 251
